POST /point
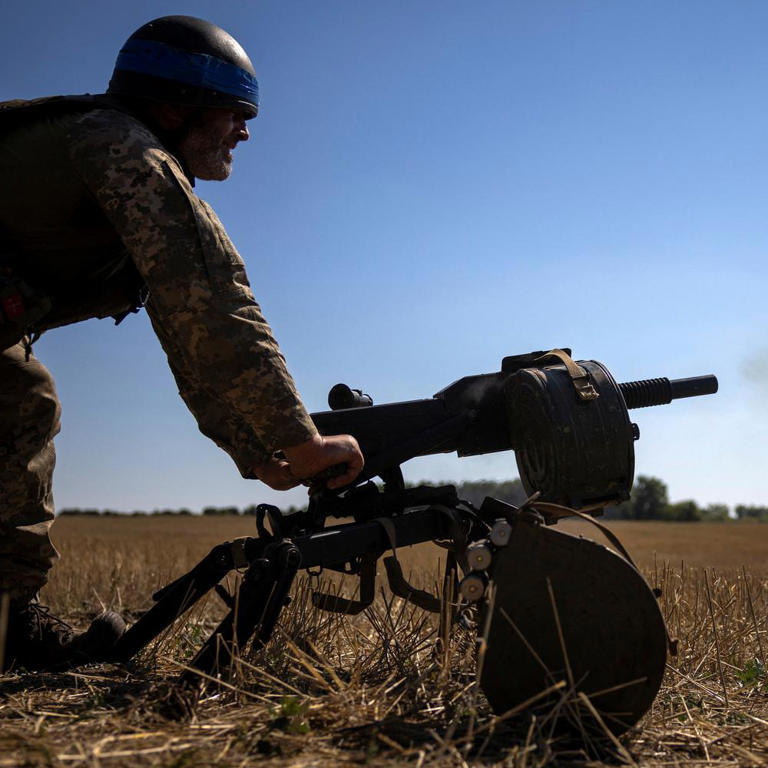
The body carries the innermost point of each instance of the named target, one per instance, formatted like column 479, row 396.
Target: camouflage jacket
column 227, row 364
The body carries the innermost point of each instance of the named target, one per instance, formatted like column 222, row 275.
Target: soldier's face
column 208, row 144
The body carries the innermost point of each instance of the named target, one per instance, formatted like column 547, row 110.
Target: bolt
column 472, row 587
column 501, row 533
column 479, row 556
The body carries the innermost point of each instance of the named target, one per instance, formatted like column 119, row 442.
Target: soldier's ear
column 171, row 117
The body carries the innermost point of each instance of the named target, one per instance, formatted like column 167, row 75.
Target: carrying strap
column 389, row 528
column 558, row 512
column 579, row 376
column 397, row 581
column 349, row 606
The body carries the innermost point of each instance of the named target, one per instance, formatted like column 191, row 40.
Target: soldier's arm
column 200, row 302
column 217, row 421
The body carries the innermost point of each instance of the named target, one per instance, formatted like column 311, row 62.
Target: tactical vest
column 61, row 260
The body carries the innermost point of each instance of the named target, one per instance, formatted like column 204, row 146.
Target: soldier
column 98, row 218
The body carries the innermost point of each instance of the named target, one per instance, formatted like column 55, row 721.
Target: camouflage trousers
column 29, row 419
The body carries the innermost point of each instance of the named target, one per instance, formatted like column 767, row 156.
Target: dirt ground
column 333, row 690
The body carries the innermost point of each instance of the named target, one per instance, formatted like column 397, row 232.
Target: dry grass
column 332, row 690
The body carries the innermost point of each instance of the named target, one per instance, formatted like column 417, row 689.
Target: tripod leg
column 258, row 604
column 290, row 558
column 174, row 600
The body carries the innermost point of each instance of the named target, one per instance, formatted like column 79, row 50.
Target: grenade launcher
column 555, row 606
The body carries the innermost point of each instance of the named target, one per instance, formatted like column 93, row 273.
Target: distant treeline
column 76, row 511
column 649, row 501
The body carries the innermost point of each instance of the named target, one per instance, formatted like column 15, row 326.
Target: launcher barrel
column 648, row 392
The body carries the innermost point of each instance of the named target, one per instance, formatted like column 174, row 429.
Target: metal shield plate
column 612, row 641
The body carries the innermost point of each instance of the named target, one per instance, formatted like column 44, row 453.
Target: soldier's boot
column 36, row 640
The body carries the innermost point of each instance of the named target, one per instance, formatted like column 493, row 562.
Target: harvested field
column 333, row 690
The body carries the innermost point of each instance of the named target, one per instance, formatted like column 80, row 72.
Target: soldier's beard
column 208, row 137
column 206, row 155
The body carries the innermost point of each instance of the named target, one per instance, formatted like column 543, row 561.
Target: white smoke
column 755, row 370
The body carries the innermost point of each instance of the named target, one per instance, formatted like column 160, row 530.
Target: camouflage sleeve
column 227, row 428
column 221, row 350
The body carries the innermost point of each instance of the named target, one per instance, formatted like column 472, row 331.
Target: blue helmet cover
column 151, row 57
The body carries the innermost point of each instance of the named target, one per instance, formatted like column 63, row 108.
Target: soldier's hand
column 322, row 452
column 276, row 473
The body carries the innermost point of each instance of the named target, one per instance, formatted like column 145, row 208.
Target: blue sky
column 431, row 186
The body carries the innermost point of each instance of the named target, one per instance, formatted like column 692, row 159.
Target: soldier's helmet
column 188, row 61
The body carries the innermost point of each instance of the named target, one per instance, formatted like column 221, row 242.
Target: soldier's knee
column 41, row 403
column 28, row 400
